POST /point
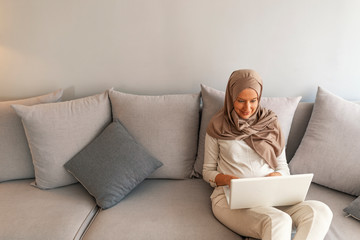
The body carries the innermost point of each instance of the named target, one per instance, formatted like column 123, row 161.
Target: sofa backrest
column 300, row 121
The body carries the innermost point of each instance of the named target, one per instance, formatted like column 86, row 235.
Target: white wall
column 171, row 46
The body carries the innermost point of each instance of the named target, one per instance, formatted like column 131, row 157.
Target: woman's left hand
column 273, row 174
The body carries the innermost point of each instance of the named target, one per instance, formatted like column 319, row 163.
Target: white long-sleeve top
column 235, row 157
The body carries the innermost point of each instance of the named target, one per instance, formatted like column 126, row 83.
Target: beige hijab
column 261, row 131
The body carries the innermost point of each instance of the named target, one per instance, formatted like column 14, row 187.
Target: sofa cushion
column 15, row 157
column 167, row 126
column 30, row 213
column 58, row 131
column 329, row 148
column 112, row 165
column 161, row 210
column 353, row 209
column 342, row 227
column 213, row 101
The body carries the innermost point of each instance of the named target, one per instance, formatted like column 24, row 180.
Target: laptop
column 268, row 191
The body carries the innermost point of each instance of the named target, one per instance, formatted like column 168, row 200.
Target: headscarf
column 261, row 131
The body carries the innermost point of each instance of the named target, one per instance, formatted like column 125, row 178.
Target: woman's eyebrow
column 245, row 99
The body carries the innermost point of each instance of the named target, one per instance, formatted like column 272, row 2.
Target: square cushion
column 330, row 146
column 15, row 157
column 213, row 101
column 167, row 126
column 354, row 209
column 58, row 131
column 112, row 165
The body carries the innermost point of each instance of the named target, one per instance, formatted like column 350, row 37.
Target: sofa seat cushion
column 30, row 213
column 342, row 227
column 161, row 209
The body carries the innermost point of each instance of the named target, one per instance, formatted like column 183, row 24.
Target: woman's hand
column 273, row 174
column 223, row 179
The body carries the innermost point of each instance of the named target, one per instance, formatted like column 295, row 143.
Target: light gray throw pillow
column 112, row 165
column 167, row 126
column 353, row 209
column 15, row 157
column 330, row 146
column 213, row 101
column 58, row 131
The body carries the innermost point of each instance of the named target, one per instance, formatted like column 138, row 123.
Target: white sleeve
column 282, row 167
column 211, row 156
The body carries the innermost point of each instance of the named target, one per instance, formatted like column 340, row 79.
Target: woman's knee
column 264, row 223
column 313, row 219
column 321, row 210
column 312, row 214
column 277, row 225
column 280, row 219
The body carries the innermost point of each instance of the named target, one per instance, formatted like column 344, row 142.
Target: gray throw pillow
column 330, row 146
column 58, row 131
column 213, row 101
column 112, row 165
column 15, row 157
column 167, row 126
column 353, row 209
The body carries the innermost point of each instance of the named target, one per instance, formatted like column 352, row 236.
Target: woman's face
column 246, row 103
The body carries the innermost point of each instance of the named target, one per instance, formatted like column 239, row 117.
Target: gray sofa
column 158, row 208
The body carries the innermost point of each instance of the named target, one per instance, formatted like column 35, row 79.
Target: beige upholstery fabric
column 162, row 210
column 15, row 157
column 30, row 213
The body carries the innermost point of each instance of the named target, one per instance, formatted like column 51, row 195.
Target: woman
column 245, row 140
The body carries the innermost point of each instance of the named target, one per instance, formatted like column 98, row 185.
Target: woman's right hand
column 223, row 179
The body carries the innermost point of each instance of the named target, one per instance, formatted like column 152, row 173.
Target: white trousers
column 311, row 219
